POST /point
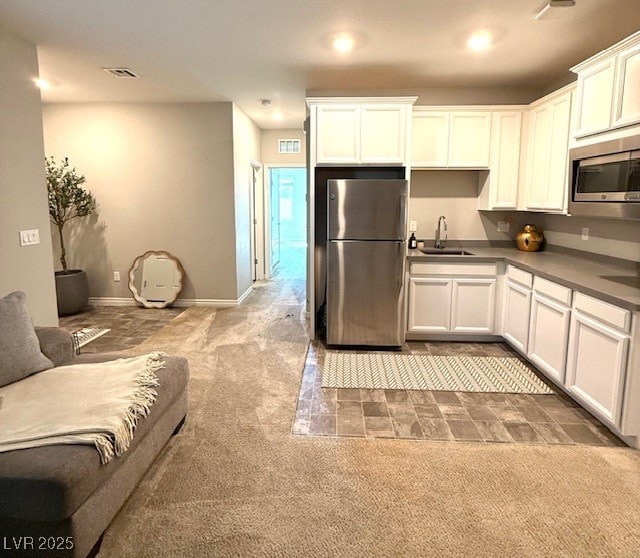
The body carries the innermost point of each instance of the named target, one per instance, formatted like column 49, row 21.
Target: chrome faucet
column 441, row 232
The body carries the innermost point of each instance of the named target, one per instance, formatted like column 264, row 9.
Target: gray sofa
column 55, row 497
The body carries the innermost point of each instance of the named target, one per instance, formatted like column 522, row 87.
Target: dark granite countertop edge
column 588, row 273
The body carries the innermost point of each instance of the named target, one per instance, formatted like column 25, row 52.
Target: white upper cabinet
column 451, row 139
column 384, row 132
column 499, row 186
column 594, row 98
column 338, row 133
column 608, row 95
column 360, row 130
column 430, row 134
column 627, row 95
column 546, row 178
column 469, row 139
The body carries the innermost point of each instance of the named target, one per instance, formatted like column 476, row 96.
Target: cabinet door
column 517, row 308
column 472, row 305
column 595, row 97
column 383, row 134
column 505, row 160
column 469, row 139
column 627, row 98
column 429, row 304
column 557, row 184
column 596, row 366
column 549, row 335
column 430, row 139
column 539, row 153
column 338, row 134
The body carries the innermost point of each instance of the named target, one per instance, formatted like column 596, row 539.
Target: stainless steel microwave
column 605, row 179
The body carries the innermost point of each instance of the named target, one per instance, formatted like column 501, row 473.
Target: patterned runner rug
column 87, row 334
column 380, row 370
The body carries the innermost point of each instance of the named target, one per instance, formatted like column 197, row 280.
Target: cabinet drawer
column 604, row 312
column 552, row 290
column 451, row 269
column 516, row 274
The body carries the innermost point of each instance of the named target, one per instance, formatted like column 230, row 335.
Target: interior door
column 275, row 217
column 158, row 278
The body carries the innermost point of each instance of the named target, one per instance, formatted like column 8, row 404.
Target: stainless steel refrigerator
column 366, row 224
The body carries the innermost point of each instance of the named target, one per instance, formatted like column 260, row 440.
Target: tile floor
column 442, row 415
column 129, row 326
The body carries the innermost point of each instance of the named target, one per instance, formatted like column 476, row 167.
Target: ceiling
column 246, row 50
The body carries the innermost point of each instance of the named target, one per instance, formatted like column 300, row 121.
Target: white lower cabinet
column 473, row 301
column 429, row 305
column 549, row 327
column 597, row 357
column 517, row 308
column 451, row 298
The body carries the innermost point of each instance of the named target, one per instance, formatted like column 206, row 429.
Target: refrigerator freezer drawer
column 364, row 293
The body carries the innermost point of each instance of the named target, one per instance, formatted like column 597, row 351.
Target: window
column 289, row 146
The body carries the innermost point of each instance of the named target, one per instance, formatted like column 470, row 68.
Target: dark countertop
column 613, row 280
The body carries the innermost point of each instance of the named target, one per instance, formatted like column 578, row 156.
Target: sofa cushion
column 50, row 483
column 20, row 354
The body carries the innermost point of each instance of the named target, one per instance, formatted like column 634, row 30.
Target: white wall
column 23, row 194
column 270, row 155
column 610, row 237
column 163, row 178
column 246, row 148
column 454, row 194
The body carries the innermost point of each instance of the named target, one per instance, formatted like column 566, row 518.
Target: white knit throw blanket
column 98, row 404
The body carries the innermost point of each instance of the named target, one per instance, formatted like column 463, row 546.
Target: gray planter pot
column 72, row 290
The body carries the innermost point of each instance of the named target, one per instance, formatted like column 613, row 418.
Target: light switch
column 413, row 226
column 30, row 237
column 585, row 233
column 503, row 226
column 116, row 276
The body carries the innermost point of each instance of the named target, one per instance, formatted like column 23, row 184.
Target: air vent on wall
column 121, row 72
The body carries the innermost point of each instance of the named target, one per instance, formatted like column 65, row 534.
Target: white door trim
column 267, row 209
column 256, row 211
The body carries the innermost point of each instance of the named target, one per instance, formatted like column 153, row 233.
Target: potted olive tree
column 68, row 200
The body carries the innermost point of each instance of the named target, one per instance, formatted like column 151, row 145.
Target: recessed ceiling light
column 277, row 116
column 481, row 40
column 43, row 84
column 343, row 43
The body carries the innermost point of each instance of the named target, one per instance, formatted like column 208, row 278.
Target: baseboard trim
column 180, row 303
column 111, row 301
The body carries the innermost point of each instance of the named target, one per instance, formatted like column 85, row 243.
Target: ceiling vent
column 121, row 72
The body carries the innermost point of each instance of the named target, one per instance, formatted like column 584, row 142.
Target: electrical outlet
column 413, row 226
column 585, row 233
column 503, row 226
column 116, row 276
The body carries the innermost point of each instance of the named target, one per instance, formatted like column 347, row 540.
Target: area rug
column 87, row 334
column 379, row 370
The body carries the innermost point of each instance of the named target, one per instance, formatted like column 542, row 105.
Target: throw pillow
column 20, row 354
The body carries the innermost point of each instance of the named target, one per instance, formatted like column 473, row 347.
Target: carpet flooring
column 236, row 482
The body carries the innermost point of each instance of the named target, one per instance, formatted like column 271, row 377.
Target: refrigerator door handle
column 403, row 215
column 400, row 264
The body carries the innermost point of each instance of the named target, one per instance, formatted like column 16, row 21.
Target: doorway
column 287, row 222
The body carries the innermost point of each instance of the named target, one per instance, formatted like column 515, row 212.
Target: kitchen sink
column 445, row 252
